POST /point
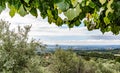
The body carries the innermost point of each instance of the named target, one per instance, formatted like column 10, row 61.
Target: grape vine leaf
column 63, row 5
column 27, row 1
column 102, row 1
column 33, row 11
column 73, row 12
column 106, row 20
column 12, row 10
column 22, row 11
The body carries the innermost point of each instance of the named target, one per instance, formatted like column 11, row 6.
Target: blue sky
column 52, row 34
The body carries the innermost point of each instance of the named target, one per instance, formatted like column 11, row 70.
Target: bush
column 17, row 55
column 66, row 62
column 90, row 66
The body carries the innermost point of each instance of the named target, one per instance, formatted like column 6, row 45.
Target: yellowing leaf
column 109, row 8
column 59, row 11
column 74, row 2
column 50, row 13
column 109, row 3
column 102, row 1
column 79, row 1
column 12, row 11
column 87, row 3
column 106, row 20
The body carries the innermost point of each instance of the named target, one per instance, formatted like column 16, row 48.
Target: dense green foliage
column 97, row 14
column 97, row 54
column 110, row 54
column 66, row 62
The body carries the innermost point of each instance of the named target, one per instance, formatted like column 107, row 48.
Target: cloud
column 105, row 37
column 56, row 31
column 82, row 42
column 52, row 34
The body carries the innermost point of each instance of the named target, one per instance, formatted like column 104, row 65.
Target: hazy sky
column 52, row 34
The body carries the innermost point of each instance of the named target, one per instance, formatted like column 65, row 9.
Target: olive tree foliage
column 66, row 62
column 96, row 14
column 17, row 55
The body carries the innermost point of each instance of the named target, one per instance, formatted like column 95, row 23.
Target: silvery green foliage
column 66, row 62
column 17, row 55
column 63, row 61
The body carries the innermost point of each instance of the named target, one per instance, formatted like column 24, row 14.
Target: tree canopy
column 96, row 14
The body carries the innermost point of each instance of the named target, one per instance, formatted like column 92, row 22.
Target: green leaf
column 50, row 16
column 59, row 21
column 33, row 11
column 87, row 3
column 106, row 20
column 27, row 1
column 36, row 3
column 58, row 1
column 72, row 12
column 49, row 20
column 50, row 13
column 1, row 8
column 109, row 8
column 71, row 25
column 74, row 2
column 28, row 8
column 22, row 11
column 12, row 11
column 92, row 5
column 63, row 6
column 102, row 1
column 77, row 23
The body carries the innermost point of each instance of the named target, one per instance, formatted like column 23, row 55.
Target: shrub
column 90, row 66
column 66, row 62
column 17, row 55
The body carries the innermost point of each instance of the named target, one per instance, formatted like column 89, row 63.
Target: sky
column 51, row 34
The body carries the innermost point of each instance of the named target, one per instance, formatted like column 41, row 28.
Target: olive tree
column 17, row 55
column 63, row 61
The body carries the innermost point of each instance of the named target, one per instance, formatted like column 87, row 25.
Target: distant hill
column 83, row 47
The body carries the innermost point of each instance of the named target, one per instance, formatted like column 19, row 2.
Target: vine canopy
column 96, row 14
